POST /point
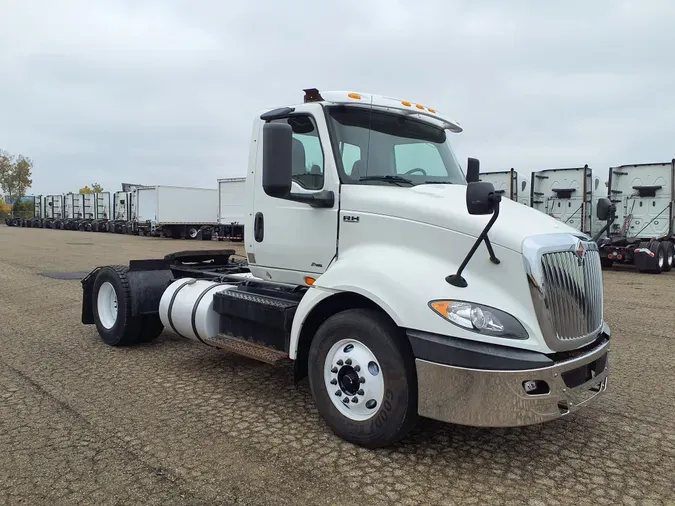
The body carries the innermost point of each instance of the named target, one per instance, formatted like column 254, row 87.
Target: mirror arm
column 605, row 228
column 457, row 279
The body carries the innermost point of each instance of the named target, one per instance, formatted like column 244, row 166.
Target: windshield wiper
column 390, row 179
column 438, row 182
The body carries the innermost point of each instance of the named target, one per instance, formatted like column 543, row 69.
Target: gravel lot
column 173, row 422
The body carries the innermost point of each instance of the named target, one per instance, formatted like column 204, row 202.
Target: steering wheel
column 417, row 169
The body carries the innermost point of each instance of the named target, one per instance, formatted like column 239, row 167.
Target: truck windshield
column 378, row 147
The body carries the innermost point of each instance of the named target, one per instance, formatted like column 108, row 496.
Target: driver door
column 291, row 240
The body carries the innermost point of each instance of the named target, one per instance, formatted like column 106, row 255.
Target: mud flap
column 87, row 292
column 645, row 259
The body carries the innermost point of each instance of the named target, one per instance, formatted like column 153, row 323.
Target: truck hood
column 444, row 206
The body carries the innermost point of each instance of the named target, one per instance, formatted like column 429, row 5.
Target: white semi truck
column 642, row 229
column 399, row 284
column 567, row 195
column 509, row 184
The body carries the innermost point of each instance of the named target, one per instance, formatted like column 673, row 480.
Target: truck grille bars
column 565, row 278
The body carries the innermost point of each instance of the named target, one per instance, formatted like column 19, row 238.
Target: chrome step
column 248, row 349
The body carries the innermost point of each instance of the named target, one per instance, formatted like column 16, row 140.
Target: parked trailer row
column 166, row 211
column 641, row 228
column 70, row 211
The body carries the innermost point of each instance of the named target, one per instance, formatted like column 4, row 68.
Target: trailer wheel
column 111, row 301
column 94, row 226
column 363, row 378
column 192, row 232
column 669, row 253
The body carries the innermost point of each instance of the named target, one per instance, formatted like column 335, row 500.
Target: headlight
column 478, row 318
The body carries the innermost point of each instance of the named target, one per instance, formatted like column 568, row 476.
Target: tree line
column 15, row 177
column 16, row 172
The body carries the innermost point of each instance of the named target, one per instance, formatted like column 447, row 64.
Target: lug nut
column 333, row 381
column 360, row 392
column 355, row 400
column 334, row 370
column 362, row 380
column 348, row 361
column 357, row 368
column 340, row 362
column 338, row 393
column 346, row 400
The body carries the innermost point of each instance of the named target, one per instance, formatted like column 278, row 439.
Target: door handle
column 259, row 227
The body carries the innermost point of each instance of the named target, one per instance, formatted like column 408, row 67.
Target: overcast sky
column 165, row 91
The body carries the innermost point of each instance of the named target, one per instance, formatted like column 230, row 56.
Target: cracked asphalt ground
column 175, row 423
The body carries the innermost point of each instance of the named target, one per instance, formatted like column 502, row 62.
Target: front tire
column 359, row 355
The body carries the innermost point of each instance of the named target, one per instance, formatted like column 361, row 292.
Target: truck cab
column 391, row 277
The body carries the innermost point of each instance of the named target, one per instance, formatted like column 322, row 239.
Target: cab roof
column 383, row 103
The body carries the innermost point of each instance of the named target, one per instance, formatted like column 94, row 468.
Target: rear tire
column 380, row 376
column 657, row 248
column 111, row 301
column 669, row 252
column 606, row 263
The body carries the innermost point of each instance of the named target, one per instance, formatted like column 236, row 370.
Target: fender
column 384, row 274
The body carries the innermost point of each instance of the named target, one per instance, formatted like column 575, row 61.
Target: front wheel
column 363, row 379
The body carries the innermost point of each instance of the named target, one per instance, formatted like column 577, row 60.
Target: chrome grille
column 572, row 290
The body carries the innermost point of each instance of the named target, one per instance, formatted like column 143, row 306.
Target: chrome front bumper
column 493, row 398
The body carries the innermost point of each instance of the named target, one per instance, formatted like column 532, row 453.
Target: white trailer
column 499, row 324
column 643, row 227
column 231, row 208
column 565, row 194
column 176, row 211
column 510, row 184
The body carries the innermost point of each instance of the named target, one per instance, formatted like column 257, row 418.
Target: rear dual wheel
column 363, row 378
column 111, row 298
column 668, row 255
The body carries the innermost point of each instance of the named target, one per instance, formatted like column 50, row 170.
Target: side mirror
column 605, row 209
column 277, row 159
column 472, row 170
column 481, row 198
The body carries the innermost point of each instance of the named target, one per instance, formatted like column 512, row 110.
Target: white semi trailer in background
column 642, row 231
column 398, row 283
column 178, row 212
column 510, row 184
column 231, row 208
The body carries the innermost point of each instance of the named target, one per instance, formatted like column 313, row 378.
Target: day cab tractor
column 399, row 284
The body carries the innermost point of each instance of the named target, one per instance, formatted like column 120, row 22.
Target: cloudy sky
column 165, row 91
